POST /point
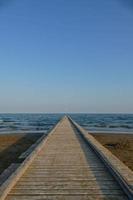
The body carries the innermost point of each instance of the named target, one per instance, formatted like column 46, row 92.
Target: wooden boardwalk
column 66, row 168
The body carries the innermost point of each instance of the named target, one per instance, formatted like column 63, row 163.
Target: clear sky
column 66, row 56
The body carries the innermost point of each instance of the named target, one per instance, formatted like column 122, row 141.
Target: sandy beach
column 121, row 145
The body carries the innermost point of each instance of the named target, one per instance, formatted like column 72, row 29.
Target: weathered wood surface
column 65, row 167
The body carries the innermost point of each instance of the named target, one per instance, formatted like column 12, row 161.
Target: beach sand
column 121, row 145
column 12, row 146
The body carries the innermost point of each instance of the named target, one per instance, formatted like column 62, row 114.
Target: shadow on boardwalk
column 14, row 147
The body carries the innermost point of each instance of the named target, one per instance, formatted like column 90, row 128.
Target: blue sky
column 66, row 56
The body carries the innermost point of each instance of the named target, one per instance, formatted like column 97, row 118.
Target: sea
column 36, row 123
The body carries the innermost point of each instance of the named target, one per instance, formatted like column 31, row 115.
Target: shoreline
column 22, row 132
column 111, row 132
column 46, row 131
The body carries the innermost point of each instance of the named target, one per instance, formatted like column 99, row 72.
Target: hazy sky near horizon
column 66, row 56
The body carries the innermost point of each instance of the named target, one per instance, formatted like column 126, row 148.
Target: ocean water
column 28, row 122
column 105, row 122
column 44, row 122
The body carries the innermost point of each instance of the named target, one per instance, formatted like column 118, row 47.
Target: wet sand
column 12, row 146
column 121, row 145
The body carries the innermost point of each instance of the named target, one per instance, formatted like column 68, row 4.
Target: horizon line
column 66, row 113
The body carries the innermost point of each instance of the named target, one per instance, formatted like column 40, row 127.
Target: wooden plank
column 65, row 192
column 54, row 186
column 66, row 197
